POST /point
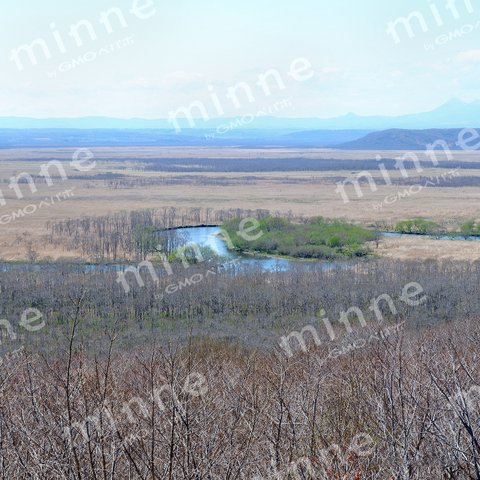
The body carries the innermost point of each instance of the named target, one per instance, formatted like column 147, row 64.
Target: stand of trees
column 251, row 306
column 132, row 235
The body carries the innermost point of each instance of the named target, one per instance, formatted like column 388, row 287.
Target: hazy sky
column 164, row 55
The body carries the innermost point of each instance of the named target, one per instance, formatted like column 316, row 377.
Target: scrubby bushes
column 470, row 228
column 419, row 226
column 316, row 238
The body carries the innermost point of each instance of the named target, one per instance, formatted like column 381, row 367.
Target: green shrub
column 418, row 226
column 317, row 238
column 470, row 228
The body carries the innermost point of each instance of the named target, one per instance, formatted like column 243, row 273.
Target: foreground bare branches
column 405, row 407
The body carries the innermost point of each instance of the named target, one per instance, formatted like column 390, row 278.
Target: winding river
column 208, row 236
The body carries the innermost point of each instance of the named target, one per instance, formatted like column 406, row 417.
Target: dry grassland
column 303, row 193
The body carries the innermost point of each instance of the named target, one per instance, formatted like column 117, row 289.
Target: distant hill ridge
column 392, row 139
column 401, row 139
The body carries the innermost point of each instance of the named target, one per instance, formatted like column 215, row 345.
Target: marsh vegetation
column 314, row 238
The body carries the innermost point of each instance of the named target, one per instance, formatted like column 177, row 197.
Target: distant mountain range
column 453, row 114
column 351, row 131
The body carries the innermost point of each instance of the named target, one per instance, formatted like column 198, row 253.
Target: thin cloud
column 181, row 77
column 330, row 70
column 469, row 56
